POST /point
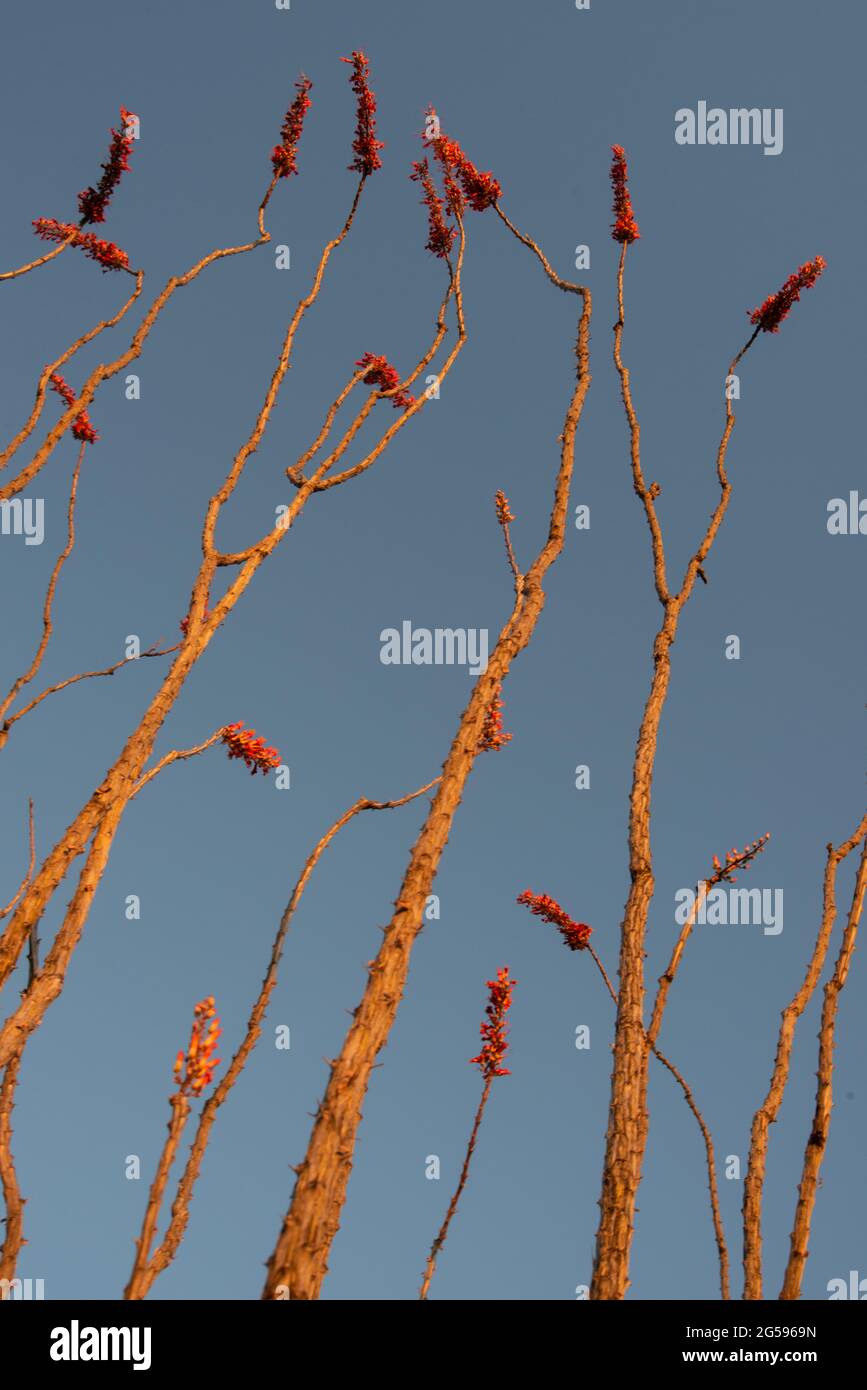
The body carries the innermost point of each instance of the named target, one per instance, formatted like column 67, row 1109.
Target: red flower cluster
column 194, row 1070
column 737, row 859
column 575, row 934
column 109, row 256
column 492, row 737
column 625, row 227
column 776, row 307
column 366, row 147
column 382, row 374
column 481, row 190
column 184, row 624
column 504, row 511
column 283, row 156
column 81, row 427
column 493, row 1032
column 92, row 202
column 440, row 234
column 241, row 743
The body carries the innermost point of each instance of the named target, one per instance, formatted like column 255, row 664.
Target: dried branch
column 148, row 1271
column 8, row 724
column 576, row 936
column 180, row 1114
column 12, row 1199
column 818, row 1140
column 105, row 371
column 47, row 623
column 54, row 367
column 175, row 756
column 300, row 1258
column 13, row 903
column 295, row 473
column 736, row 860
column 100, row 817
column 495, row 1045
column 628, row 1120
column 41, row 260
column 768, row 1111
column 440, row 1240
column 505, row 517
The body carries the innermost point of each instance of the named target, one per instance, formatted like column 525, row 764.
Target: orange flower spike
column 575, row 934
column 365, row 146
column 241, row 743
column 493, row 1030
column 198, row 1063
column 463, row 181
column 624, row 228
column 492, row 737
column 504, row 510
column 284, row 156
column 777, row 307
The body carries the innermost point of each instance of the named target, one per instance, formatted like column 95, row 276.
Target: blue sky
column 772, row 742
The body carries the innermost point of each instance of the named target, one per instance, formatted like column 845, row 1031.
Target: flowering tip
column 440, row 235
column 624, row 227
column 365, row 145
column 242, row 743
column 463, row 181
column 194, row 1069
column 284, row 156
column 575, row 934
column 382, row 374
column 493, row 1030
column 777, row 307
column 93, row 202
column 105, row 253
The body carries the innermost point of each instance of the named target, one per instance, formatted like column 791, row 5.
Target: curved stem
column 146, row 1273
column 440, row 1240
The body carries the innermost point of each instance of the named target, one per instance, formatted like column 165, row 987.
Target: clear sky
column 771, row 742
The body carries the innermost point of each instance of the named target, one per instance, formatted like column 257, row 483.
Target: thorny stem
column 99, row 819
column 439, row 1242
column 716, row 1216
column 180, row 1112
column 175, row 756
column 48, row 372
column 818, row 1139
column 628, row 1119
column 47, row 622
column 13, row 1201
column 105, row 371
column 9, row 723
column 40, row 260
column 13, row 902
column 299, row 1261
column 768, row 1111
column 148, row 1271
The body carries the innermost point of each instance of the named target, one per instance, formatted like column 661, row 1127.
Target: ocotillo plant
column 628, row 1117
column 93, row 829
column 299, row 1261
column 378, row 397
column 495, row 1045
